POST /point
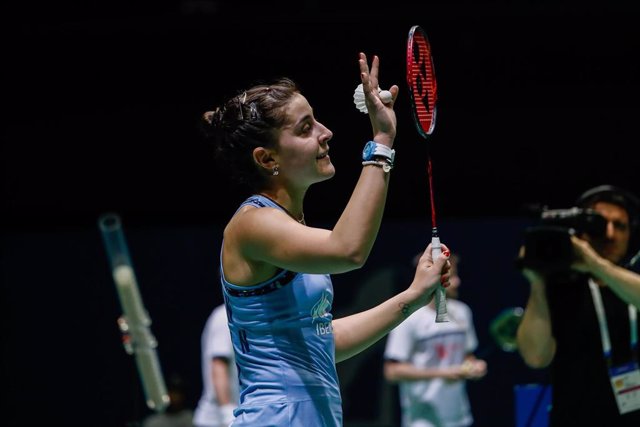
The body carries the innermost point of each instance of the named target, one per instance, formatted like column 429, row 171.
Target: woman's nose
column 325, row 134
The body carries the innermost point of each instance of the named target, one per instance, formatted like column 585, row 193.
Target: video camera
column 547, row 245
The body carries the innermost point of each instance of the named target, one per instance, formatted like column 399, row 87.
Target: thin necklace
column 301, row 220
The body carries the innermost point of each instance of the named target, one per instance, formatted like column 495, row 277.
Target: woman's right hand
column 383, row 118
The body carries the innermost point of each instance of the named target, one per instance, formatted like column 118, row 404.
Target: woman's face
column 302, row 150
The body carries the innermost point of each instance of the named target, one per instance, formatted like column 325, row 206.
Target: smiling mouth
column 322, row 156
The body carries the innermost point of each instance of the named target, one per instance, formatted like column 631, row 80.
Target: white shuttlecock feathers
column 358, row 98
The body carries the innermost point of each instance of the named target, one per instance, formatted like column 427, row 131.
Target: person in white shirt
column 219, row 374
column 431, row 362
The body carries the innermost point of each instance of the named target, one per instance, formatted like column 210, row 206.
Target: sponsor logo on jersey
column 320, row 314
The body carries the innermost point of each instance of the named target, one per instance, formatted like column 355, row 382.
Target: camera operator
column 582, row 322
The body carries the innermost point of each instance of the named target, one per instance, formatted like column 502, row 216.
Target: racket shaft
column 441, row 300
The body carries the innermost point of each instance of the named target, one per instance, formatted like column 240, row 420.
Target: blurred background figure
column 219, row 373
column 581, row 316
column 177, row 414
column 431, row 362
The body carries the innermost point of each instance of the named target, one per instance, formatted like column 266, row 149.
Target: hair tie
column 253, row 111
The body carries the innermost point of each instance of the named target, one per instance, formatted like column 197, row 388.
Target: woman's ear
column 264, row 158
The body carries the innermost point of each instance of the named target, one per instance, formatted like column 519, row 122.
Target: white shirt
column 421, row 341
column 216, row 342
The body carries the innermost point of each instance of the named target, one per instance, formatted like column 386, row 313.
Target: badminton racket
column 421, row 79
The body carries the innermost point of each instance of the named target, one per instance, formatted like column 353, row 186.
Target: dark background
column 537, row 103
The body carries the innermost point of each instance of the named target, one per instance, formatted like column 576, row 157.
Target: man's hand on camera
column 584, row 255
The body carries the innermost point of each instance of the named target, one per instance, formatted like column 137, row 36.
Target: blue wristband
column 372, row 150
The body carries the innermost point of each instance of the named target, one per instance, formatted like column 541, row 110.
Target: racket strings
column 422, row 83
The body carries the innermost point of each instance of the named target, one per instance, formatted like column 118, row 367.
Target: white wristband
column 386, row 166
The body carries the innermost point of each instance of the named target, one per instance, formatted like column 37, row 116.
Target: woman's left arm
column 354, row 333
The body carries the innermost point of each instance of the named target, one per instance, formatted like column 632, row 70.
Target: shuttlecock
column 358, row 98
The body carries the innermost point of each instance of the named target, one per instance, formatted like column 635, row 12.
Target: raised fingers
column 373, row 73
column 368, row 76
column 364, row 69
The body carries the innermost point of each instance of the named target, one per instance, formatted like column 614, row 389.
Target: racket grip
column 441, row 299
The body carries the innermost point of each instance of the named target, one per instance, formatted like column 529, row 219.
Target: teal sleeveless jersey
column 284, row 347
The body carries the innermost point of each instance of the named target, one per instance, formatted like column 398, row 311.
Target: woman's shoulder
column 249, row 215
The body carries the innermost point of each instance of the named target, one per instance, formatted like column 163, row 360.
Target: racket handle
column 441, row 299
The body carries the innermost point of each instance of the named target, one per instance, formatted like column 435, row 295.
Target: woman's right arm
column 269, row 236
column 358, row 226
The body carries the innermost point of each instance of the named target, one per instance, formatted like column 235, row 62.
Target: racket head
column 421, row 79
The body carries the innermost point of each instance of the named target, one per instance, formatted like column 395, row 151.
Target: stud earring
column 276, row 170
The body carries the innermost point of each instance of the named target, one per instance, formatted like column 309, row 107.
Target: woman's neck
column 286, row 202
